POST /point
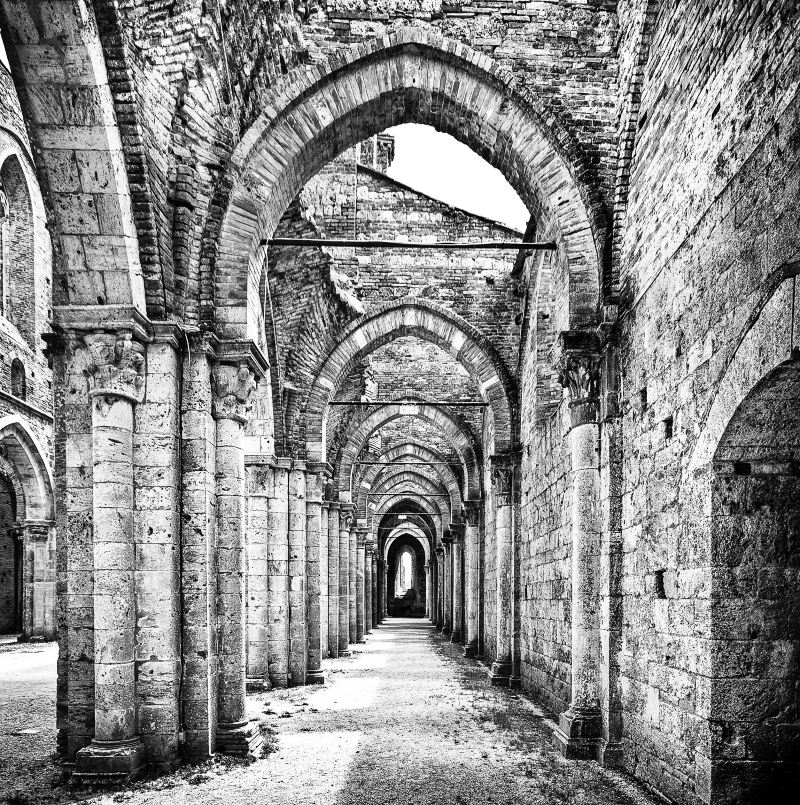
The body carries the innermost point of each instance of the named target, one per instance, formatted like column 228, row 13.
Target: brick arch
column 411, row 75
column 366, row 480
column 27, row 469
column 417, row 485
column 454, row 431
column 431, row 322
column 426, row 508
column 420, row 484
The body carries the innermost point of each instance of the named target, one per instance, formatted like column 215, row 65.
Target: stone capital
column 472, row 512
column 579, row 362
column 232, row 388
column 457, row 531
column 502, row 471
column 114, row 363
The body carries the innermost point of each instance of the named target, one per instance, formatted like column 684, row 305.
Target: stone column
column 368, row 588
column 333, row 578
column 315, row 480
column 157, row 530
column 260, row 484
column 323, row 577
column 471, row 579
column 345, row 518
column 447, row 586
column 381, row 590
column 376, row 614
column 580, row 727
column 234, row 383
column 298, row 637
column 439, row 622
column 502, row 489
column 199, row 552
column 278, row 581
column 428, row 609
column 361, row 548
column 457, row 533
column 115, row 366
column 352, row 600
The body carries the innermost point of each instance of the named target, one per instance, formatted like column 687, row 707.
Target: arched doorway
column 755, row 595
column 406, row 574
column 10, row 562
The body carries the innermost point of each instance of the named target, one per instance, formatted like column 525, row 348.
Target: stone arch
column 454, row 431
column 35, row 484
column 17, row 257
column 414, row 530
column 763, row 344
column 56, row 52
column 394, row 550
column 755, row 595
column 434, row 323
column 411, row 75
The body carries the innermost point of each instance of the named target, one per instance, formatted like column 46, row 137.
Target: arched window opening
column 18, row 383
column 404, row 580
column 17, row 285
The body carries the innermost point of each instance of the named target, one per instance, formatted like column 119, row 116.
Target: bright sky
column 442, row 167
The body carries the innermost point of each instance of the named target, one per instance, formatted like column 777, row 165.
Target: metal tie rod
column 515, row 245
column 433, row 403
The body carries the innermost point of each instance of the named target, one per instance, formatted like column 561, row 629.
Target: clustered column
column 580, row 727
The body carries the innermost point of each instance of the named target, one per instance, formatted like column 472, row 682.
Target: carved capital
column 457, row 531
column 502, row 467
column 472, row 513
column 232, row 388
column 113, row 363
column 579, row 371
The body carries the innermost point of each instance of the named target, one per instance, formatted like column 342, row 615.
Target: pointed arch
column 411, row 75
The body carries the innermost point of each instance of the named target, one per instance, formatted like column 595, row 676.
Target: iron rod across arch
column 516, row 245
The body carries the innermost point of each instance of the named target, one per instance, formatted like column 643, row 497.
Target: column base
column 471, row 649
column 515, row 682
column 612, row 754
column 500, row 673
column 579, row 734
column 445, row 630
column 346, row 653
column 315, row 677
column 109, row 762
column 240, row 739
column 257, row 685
column 455, row 636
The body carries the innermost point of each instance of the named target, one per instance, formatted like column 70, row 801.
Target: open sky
column 442, row 167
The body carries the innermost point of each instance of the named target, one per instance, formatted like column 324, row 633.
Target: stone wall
column 712, row 223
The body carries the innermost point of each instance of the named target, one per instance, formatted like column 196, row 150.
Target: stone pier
column 502, row 489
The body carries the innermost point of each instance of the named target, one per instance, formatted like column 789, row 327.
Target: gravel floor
column 406, row 720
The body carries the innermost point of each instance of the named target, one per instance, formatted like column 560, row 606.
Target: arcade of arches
column 224, row 463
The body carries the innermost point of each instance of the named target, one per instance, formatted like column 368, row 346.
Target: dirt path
column 406, row 720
